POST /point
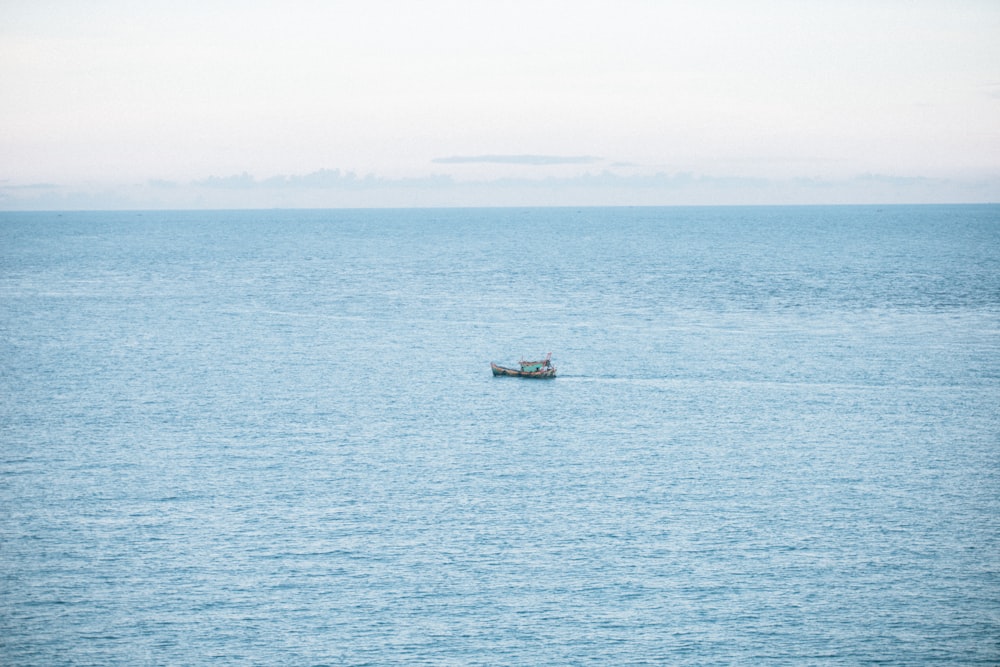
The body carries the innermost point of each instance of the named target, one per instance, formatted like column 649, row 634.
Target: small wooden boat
column 528, row 369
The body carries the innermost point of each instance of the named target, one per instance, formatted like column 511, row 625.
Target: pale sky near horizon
column 118, row 94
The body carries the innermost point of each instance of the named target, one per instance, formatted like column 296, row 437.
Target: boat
column 527, row 369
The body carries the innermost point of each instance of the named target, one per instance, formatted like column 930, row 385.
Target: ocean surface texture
column 273, row 437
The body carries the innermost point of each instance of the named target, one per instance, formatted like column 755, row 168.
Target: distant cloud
column 335, row 179
column 324, row 179
column 333, row 188
column 518, row 159
column 657, row 181
column 162, row 183
column 30, row 186
column 903, row 181
column 240, row 182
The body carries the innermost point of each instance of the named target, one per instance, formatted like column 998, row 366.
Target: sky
column 258, row 104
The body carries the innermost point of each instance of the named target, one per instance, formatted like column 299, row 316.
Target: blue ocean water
column 273, row 437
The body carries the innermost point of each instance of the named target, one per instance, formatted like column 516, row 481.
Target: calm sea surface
column 273, row 437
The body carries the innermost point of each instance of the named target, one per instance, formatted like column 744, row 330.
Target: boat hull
column 543, row 374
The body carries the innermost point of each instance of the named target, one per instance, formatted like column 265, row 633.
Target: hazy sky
column 286, row 103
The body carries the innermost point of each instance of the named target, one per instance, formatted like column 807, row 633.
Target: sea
column 272, row 437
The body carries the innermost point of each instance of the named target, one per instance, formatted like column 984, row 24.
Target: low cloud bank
column 324, row 179
column 537, row 160
column 333, row 188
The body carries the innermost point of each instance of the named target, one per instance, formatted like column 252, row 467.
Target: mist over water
column 273, row 436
